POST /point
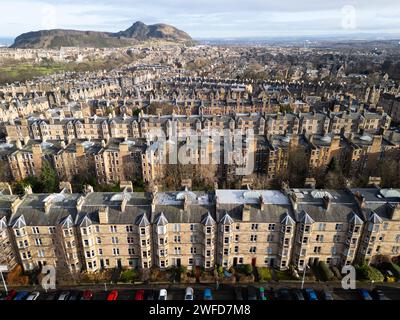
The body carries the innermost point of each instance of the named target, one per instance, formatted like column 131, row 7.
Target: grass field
column 12, row 71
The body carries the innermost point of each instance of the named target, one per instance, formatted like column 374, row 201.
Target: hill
column 138, row 32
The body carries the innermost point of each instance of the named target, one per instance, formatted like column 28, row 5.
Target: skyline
column 208, row 19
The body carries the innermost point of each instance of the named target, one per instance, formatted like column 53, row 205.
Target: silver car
column 189, row 294
column 33, row 296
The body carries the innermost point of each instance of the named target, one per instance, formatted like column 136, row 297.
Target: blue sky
column 207, row 18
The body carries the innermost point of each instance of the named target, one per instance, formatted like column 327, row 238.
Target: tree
column 48, row 178
column 297, row 167
column 334, row 178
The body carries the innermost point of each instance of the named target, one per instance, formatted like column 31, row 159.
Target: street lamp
column 304, row 276
column 3, row 268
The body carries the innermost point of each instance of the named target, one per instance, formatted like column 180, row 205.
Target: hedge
column 129, row 276
column 246, row 269
column 325, row 272
column 366, row 272
column 264, row 274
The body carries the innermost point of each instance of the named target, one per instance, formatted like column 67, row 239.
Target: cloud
column 204, row 18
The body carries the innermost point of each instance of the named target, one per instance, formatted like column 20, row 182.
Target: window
column 116, row 251
column 227, row 228
column 177, row 227
column 192, row 227
column 253, row 238
column 336, row 238
column 97, row 229
column 253, row 250
column 320, row 238
column 130, row 240
column 226, row 240
column 100, row 252
column 38, row 241
column 271, row 227
column 98, row 240
column 190, row 261
column 52, row 230
column 114, row 240
column 208, row 230
column 129, row 229
column 113, row 229
column 226, row 252
column 161, row 229
column 317, row 249
column 339, row 227
column 208, row 253
column 270, row 238
column 237, row 238
column 288, row 229
column 35, row 230
column 177, row 250
column 177, row 239
column 254, row 226
column 305, row 240
column 322, row 227
column 269, row 250
column 143, row 231
column 236, row 250
column 193, row 250
column 131, row 251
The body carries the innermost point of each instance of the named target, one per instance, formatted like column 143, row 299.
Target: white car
column 33, row 296
column 63, row 296
column 189, row 294
column 163, row 295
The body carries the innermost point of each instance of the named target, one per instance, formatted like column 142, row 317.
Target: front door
column 253, row 262
column 235, row 260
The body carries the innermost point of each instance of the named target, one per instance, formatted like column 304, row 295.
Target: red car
column 113, row 295
column 11, row 295
column 87, row 295
column 139, row 295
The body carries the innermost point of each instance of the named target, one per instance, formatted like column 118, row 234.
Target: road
column 225, row 292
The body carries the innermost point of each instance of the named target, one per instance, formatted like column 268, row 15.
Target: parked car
column 298, row 294
column 139, row 295
column 251, row 293
column 262, row 294
column 189, row 294
column 51, row 296
column 112, row 296
column 11, row 295
column 239, row 293
column 22, row 295
column 87, row 295
column 326, row 295
column 310, row 294
column 33, row 296
column 365, row 294
column 283, row 294
column 163, row 295
column 379, row 295
column 64, row 296
column 207, row 294
column 150, row 295
column 74, row 296
column 3, row 295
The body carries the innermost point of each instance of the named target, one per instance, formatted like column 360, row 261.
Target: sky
column 207, row 18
